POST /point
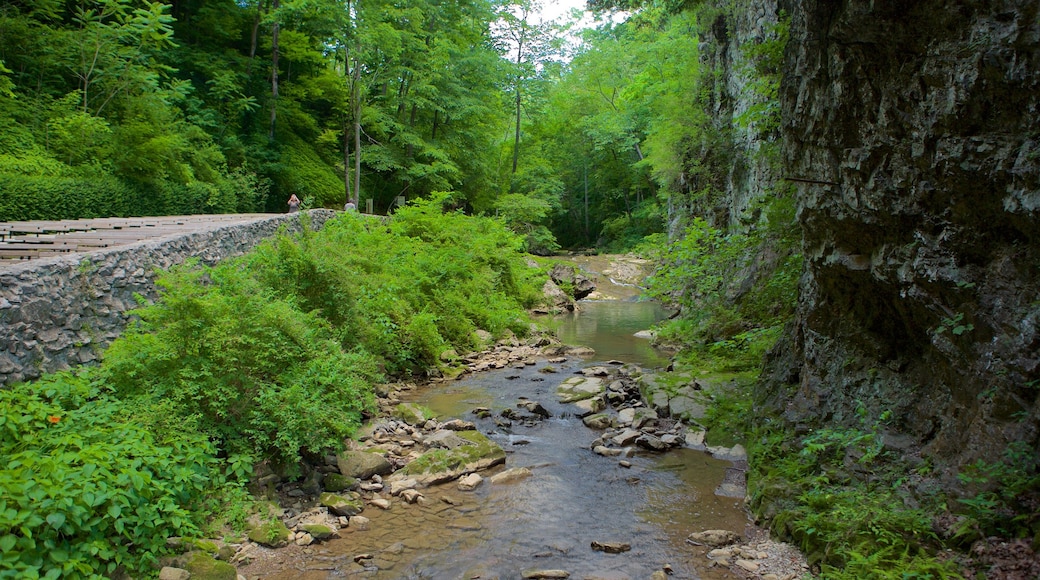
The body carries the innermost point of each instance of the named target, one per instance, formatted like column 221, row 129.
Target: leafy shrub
column 407, row 290
column 85, row 489
column 258, row 375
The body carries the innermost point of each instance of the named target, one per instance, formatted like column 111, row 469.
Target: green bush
column 52, row 198
column 85, row 489
column 407, row 290
column 251, row 370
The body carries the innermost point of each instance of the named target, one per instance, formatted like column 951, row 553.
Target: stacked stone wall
column 57, row 313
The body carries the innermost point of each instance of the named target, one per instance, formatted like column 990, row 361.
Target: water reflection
column 609, row 327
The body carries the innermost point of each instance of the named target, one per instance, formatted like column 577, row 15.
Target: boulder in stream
column 441, row 465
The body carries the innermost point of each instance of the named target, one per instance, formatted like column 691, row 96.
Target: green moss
column 272, row 533
column 318, row 531
column 443, row 460
column 413, row 414
column 205, row 567
column 337, row 482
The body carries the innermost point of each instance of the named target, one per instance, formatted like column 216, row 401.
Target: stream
column 574, row 497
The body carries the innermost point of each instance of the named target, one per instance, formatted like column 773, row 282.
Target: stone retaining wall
column 56, row 313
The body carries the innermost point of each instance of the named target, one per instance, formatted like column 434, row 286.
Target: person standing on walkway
column 294, row 203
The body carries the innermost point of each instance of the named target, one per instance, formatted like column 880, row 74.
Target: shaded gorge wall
column 916, row 127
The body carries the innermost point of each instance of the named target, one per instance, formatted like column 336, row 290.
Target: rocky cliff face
column 913, row 132
column 738, row 147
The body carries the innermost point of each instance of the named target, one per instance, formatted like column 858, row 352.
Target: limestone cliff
column 913, row 132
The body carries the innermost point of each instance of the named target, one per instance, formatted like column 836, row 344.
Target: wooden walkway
column 41, row 239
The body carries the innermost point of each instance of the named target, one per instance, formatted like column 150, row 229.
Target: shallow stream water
column 573, row 497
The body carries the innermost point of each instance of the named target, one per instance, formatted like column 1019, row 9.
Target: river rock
column 596, row 371
column 607, row 451
column 625, row 416
column 735, row 453
column 411, row 495
column 538, row 574
column 747, row 565
column 647, row 441
column 579, row 351
column 715, row 538
column 399, row 485
column 686, row 408
column 510, row 475
column 272, row 534
column 536, row 408
column 445, row 439
column 695, row 439
column 470, row 482
column 171, row 573
column 335, row 482
column 597, row 421
column 383, row 504
column 362, row 464
column 442, row 465
column 611, row 547
column 411, row 414
column 644, row 417
column 360, row 523
column 579, row 388
column 342, row 505
column 589, row 406
column 458, row 425
column 626, row 437
column 318, row 531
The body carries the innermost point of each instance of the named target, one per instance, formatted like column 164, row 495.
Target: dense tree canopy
column 131, row 107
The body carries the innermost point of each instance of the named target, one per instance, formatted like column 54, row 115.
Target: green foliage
column 243, row 364
column 839, row 495
column 85, row 488
column 1005, row 495
column 406, row 292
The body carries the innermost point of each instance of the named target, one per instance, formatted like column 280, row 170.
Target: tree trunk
column 274, row 68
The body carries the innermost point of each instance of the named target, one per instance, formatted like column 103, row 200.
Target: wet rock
column 587, row 407
column 171, row 573
column 650, row 442
column 626, row 437
column 318, row 531
column 695, row 439
column 411, row 495
column 611, row 547
column 579, row 388
column 538, row 574
column 442, row 465
column 411, row 414
column 458, row 425
column 470, row 482
column 383, row 504
column 445, row 439
column 399, row 485
column 360, row 523
column 342, row 505
column 536, row 408
column 597, row 421
column 363, row 464
column 510, row 475
column 715, row 538
column 335, row 482
column 272, row 534
column 607, row 451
